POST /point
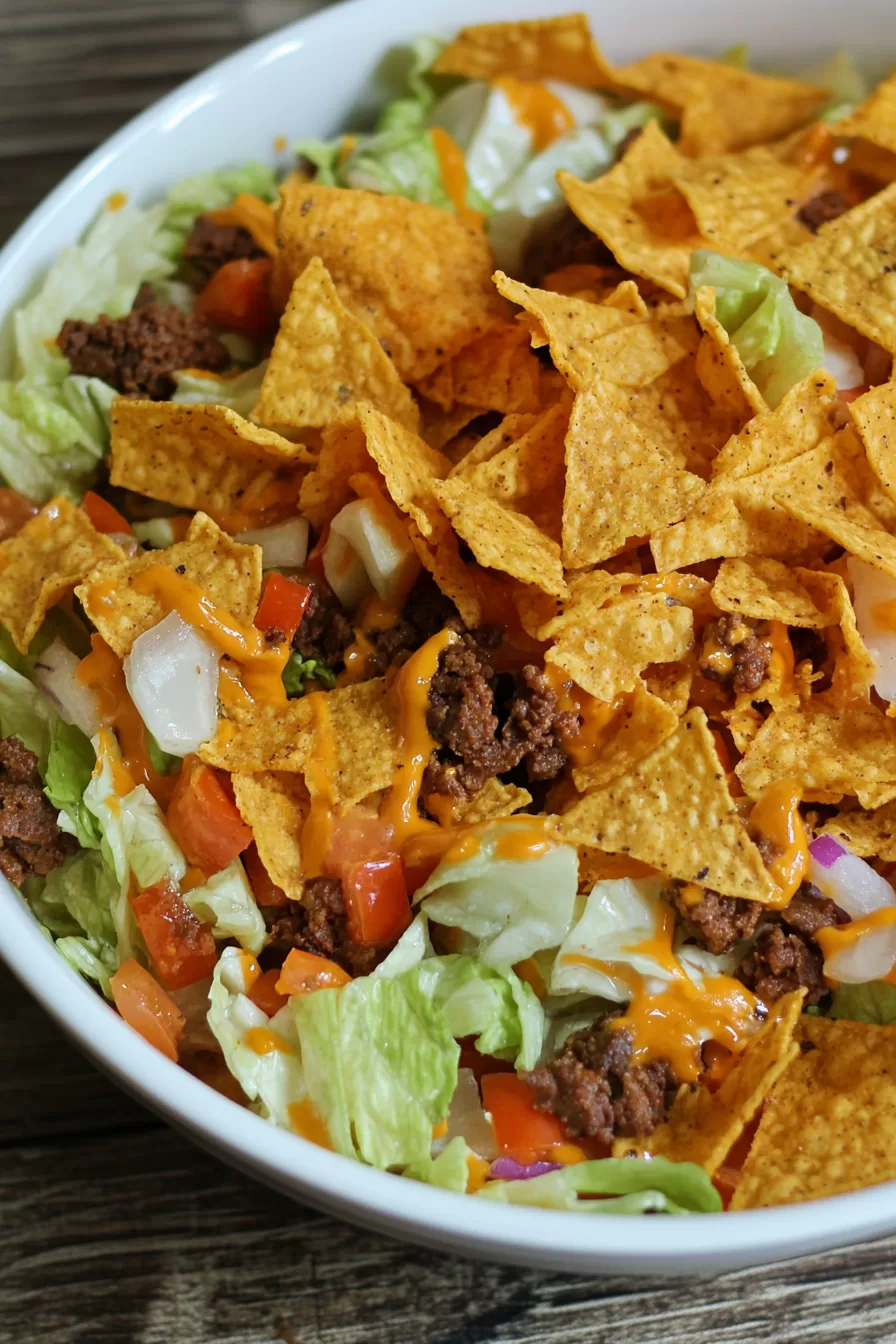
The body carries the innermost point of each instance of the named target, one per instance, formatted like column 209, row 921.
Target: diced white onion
column 871, row 957
column 852, row 884
column 344, row 571
column 56, row 673
column 467, row 1119
column 860, row 891
column 283, row 546
column 127, row 541
column 840, row 357
column 385, row 552
column 172, row 676
column 871, row 589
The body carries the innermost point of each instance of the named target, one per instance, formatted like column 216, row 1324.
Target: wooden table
column 113, row 1229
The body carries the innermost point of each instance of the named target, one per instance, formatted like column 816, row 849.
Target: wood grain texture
column 113, row 1229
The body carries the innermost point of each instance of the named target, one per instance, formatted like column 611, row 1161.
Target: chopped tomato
column 479, row 1064
column 182, row 948
column 238, row 298
column 376, row 901
column 264, row 993
column 145, row 1006
column 848, row 394
column 204, row 820
column 15, row 512
column 358, row 837
column 264, row 889
column 104, row 516
column 520, row 1130
column 282, row 605
column 303, row 972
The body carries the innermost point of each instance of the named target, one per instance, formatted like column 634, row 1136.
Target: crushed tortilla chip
column 875, row 119
column 806, row 415
column 409, row 466
column 833, row 750
column 739, row 198
column 511, row 428
column 440, row 555
column 604, row 649
column 227, row 572
column 677, row 414
column 867, row 834
column 874, row 415
column 205, row 457
column 719, row 365
column 643, row 219
column 674, row 811
column 326, row 362
column 559, row 48
column 418, row 276
column 41, row 563
column 529, row 474
column 618, row 484
column 496, row 372
column 671, row 683
column 500, row 538
column 849, row 268
column 766, row 590
column 827, row 1127
column 326, row 489
column 493, row 800
column 703, row 1126
column 640, row 723
column 275, row 805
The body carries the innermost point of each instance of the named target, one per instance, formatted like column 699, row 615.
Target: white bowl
column 308, row 79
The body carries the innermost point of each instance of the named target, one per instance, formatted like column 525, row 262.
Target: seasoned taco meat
column 733, row 655
column 563, row 240
column 426, row 612
column 537, row 727
column 785, row 955
column 210, row 246
column 31, row 843
column 824, row 207
column 326, row 629
column 318, row 924
column 716, row 922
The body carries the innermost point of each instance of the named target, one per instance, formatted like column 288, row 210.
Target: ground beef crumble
column 785, row 955
column 716, row 922
column 326, row 629
column 563, row 240
column 596, row 1090
column 733, row 654
column 210, row 246
column 317, row 924
column 31, row 843
column 426, row 612
column 139, row 354
column 823, row 208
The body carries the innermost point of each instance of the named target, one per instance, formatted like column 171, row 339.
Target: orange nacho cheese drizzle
column 538, row 108
column 776, row 818
column 103, row 673
column 318, row 828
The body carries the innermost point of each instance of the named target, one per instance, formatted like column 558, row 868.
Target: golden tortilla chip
column 41, row 563
column 641, row 721
column 674, row 811
column 703, row 1126
column 441, row 426
column 326, row 362
column 677, row 414
column 588, row 592
column 205, row 457
column 275, row 805
column 226, row 571
column 738, row 198
column 875, row 119
column 671, row 683
column 874, row 415
column 849, row 268
column 418, row 276
column 766, row 590
column 500, row 538
column 829, row 1123
column 772, row 250
column 409, row 466
column 360, row 728
column 807, row 414
column 606, row 649
column 867, row 834
column 440, row 555
column 618, row 484
column 719, row 365
column 854, row 668
column 511, row 428
column 493, row 800
column 724, row 107
column 327, row 488
column 560, row 48
column 643, row 219
column 832, row 750
column 529, row 474
column 496, row 372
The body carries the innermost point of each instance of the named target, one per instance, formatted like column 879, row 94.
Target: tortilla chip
column 205, row 457
column 641, row 722
column 606, row 649
column 874, row 415
column 703, row 1126
column 409, row 466
column 362, row 726
column 500, row 538
column 41, row 563
column 529, row 474
column 829, row 1123
column 634, row 208
column 618, row 484
column 773, row 249
column 677, row 414
column 674, row 811
column 493, row 800
column 875, row 119
column 719, row 365
column 849, row 268
column 807, row 414
column 326, row 362
column 418, row 276
column 496, row 372
column 228, row 573
column 440, row 555
column 588, row 592
column 671, row 683
column 724, row 107
column 738, row 198
column 560, row 48
column 511, row 428
column 854, row 668
column 326, row 489
column 275, row 805
column 766, row 590
column 441, row 426
column 867, row 834
column 832, row 750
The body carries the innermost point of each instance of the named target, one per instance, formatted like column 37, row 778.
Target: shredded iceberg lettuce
column 874, row 1001
column 75, row 905
column 226, row 902
column 627, row 1185
column 449, row 1171
column 192, row 196
column 239, row 393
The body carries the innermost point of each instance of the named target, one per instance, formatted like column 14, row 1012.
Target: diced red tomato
column 376, row 901
column 478, row 1064
column 264, row 889
column 847, row 394
column 15, row 512
column 520, row 1130
column 204, row 820
column 238, row 298
column 182, row 948
column 104, row 516
column 282, row 605
column 357, row 837
column 303, row 972
column 264, row 993
column 145, row 1006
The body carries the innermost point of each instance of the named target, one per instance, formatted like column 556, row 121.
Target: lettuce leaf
column 69, row 769
column 618, row 916
column 615, row 125
column 75, row 905
column 873, row 1002
column 449, row 1171
column 226, row 902
column 300, row 673
column 239, row 393
column 778, row 344
column 641, row 1185
column 492, row 1004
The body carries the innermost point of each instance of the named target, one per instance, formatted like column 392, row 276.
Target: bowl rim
column 570, row 1241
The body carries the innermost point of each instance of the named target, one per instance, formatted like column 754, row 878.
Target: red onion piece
column 826, row 850
column 508, row 1169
